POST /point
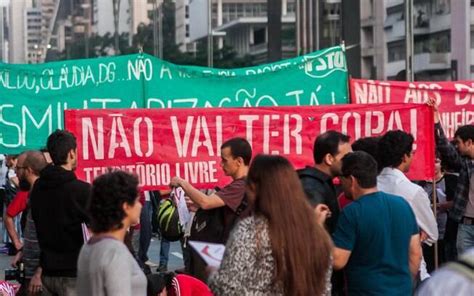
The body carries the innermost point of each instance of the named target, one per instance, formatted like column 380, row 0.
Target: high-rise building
column 372, row 39
column 31, row 25
column 182, row 26
column 4, row 24
column 241, row 24
column 33, row 42
column 443, row 39
column 132, row 13
column 18, row 30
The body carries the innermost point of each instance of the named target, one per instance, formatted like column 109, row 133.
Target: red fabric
column 18, row 204
column 164, row 143
column 189, row 286
column 343, row 201
column 454, row 97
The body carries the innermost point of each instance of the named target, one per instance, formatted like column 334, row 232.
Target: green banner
column 33, row 97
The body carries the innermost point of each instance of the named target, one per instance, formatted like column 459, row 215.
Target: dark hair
column 109, row 192
column 239, row 147
column 59, row 144
column 465, row 132
column 280, row 198
column 369, row 145
column 362, row 166
column 392, row 147
column 156, row 282
column 328, row 142
column 35, row 161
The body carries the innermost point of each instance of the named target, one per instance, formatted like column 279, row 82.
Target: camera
column 15, row 274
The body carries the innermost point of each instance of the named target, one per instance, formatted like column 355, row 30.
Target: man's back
column 393, row 181
column 377, row 229
column 58, row 204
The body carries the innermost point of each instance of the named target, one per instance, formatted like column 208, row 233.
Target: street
column 175, row 256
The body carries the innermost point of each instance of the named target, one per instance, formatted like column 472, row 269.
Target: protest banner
column 455, row 98
column 157, row 144
column 33, row 97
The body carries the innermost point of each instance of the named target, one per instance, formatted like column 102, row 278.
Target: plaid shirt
column 462, row 165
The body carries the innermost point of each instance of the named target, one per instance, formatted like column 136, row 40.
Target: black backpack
column 210, row 225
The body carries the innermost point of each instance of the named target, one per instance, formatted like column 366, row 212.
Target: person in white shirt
column 395, row 151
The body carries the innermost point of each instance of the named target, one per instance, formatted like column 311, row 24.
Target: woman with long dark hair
column 280, row 249
column 105, row 265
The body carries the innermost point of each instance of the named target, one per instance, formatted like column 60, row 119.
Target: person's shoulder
column 108, row 248
column 236, row 183
column 312, row 174
column 251, row 224
column 396, row 200
column 246, row 223
column 81, row 185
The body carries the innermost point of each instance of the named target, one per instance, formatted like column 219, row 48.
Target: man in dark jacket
column 58, row 204
column 328, row 151
column 329, row 148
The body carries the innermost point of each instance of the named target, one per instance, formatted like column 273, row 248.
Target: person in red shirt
column 17, row 206
column 169, row 284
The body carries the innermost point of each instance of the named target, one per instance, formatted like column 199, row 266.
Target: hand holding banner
column 180, row 202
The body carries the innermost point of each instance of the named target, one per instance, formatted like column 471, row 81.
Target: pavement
column 175, row 257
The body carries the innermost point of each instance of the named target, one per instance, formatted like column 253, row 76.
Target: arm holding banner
column 202, row 200
column 448, row 154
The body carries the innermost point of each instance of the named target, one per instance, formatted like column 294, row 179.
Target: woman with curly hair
column 281, row 249
column 105, row 265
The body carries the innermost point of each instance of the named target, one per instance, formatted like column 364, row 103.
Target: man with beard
column 29, row 166
column 329, row 148
column 376, row 239
column 58, row 207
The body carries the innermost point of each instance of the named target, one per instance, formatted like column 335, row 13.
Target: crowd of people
column 351, row 224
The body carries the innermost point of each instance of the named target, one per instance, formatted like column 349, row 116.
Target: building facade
column 4, row 32
column 241, row 24
column 443, row 43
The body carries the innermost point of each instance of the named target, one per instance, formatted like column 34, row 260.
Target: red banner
column 455, row 98
column 158, row 144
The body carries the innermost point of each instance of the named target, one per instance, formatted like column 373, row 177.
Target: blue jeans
column 465, row 237
column 164, row 252
column 145, row 231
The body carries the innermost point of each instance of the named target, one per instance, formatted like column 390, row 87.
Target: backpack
column 168, row 221
column 210, row 225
